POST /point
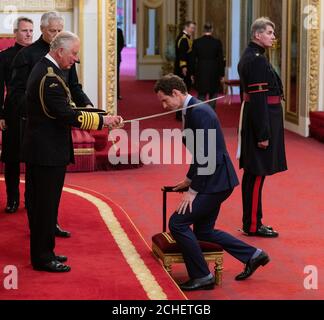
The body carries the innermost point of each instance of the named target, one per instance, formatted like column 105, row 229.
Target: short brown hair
column 260, row 25
column 208, row 27
column 188, row 24
column 169, row 83
column 20, row 19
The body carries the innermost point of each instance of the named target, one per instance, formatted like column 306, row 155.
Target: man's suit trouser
column 204, row 213
column 44, row 188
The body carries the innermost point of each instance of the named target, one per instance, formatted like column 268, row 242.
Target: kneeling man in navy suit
column 210, row 184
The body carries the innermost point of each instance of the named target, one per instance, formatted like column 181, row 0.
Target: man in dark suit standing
column 262, row 144
column 120, row 47
column 47, row 146
column 23, row 30
column 210, row 184
column 183, row 65
column 209, row 67
column 51, row 24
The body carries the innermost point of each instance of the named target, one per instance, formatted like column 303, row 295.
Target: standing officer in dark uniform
column 183, row 66
column 261, row 139
column 209, row 186
column 47, row 147
column 209, row 66
column 51, row 24
column 23, row 30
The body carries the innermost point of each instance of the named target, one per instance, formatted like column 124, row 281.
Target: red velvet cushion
column 167, row 244
column 317, row 119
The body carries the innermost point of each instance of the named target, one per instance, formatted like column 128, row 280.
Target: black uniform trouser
column 44, row 188
column 12, row 178
column 202, row 96
column 252, row 186
column 205, row 210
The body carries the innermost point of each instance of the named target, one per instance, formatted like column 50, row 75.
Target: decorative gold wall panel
column 111, row 57
column 314, row 56
column 37, row 5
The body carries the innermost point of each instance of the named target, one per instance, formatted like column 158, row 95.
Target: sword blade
column 170, row 112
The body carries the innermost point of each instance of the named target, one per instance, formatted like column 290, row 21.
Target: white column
column 89, row 38
column 235, row 41
column 150, row 51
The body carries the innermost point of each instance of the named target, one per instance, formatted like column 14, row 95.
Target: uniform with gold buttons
column 261, row 123
column 47, row 149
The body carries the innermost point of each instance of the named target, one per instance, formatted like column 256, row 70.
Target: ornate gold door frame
column 313, row 11
column 293, row 61
column 111, row 56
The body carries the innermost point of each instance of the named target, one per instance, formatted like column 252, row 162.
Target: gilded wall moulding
column 314, row 10
column 111, row 58
column 36, row 5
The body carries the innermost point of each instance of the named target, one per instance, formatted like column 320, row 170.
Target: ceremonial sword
column 157, row 115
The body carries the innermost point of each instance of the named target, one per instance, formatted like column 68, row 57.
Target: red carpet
column 293, row 204
column 99, row 269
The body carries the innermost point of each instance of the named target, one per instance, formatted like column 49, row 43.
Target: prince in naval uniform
column 47, row 146
column 262, row 147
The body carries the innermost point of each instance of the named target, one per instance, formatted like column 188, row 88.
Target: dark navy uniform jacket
column 50, row 115
column 224, row 177
column 209, row 66
column 11, row 137
column 183, row 54
column 261, row 120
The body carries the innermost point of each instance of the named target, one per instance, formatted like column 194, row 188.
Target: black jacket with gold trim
column 183, row 54
column 50, row 115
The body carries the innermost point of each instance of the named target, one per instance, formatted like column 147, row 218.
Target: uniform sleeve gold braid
column 89, row 120
column 80, row 119
column 85, row 121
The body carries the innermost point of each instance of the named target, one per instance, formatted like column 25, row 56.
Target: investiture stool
column 261, row 138
column 200, row 206
column 47, row 146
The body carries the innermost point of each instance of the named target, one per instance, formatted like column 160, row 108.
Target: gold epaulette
column 190, row 42
column 51, row 73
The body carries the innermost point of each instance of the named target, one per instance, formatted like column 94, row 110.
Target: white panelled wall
column 7, row 21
